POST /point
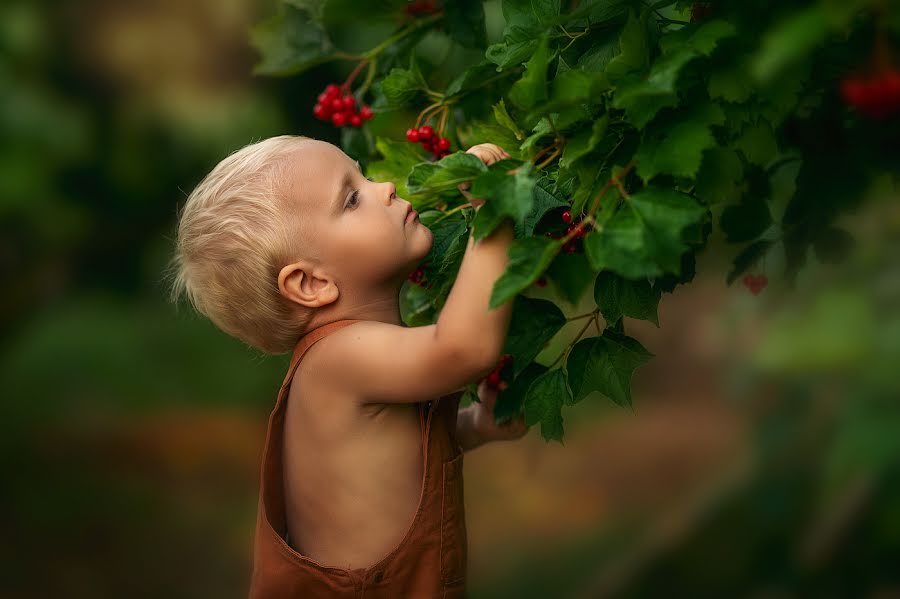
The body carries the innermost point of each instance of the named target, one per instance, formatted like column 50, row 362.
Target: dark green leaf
column 528, row 258
column 446, row 173
column 605, row 364
column 532, row 87
column 464, row 20
column 543, row 403
column 290, row 42
column 504, row 195
column 617, row 297
column 533, row 323
column 572, row 274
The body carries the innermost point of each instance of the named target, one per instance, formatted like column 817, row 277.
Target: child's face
column 358, row 226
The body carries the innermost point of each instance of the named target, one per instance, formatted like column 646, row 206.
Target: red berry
column 339, row 119
column 320, row 112
column 355, row 120
column 493, row 379
column 323, row 97
column 337, row 105
column 541, row 282
column 365, row 113
column 349, row 102
column 332, row 90
column 412, row 135
column 567, row 216
column 443, row 144
column 425, row 132
column 429, row 147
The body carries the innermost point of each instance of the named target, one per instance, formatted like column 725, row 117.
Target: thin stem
column 425, row 110
column 571, row 344
column 347, row 82
column 449, row 212
column 582, row 315
column 369, row 76
column 443, row 121
column 549, row 159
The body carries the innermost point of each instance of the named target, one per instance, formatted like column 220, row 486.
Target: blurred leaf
column 289, row 42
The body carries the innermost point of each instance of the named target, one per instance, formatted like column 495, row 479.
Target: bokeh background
column 761, row 459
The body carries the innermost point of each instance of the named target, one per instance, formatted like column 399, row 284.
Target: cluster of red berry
column 580, row 230
column 340, row 110
column 497, row 378
column 420, row 7
column 417, row 276
column 438, row 146
column 755, row 283
column 876, row 95
column 700, row 11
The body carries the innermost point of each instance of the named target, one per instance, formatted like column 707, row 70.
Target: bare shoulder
column 385, row 363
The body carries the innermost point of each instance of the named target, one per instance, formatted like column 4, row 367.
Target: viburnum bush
column 635, row 130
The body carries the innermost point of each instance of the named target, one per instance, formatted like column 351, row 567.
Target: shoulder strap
column 307, row 340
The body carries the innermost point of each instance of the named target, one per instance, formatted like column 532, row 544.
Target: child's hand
column 489, row 154
column 483, row 418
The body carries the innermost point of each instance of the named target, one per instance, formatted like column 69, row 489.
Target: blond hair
column 233, row 239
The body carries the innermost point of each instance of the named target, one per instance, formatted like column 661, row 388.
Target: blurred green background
column 761, row 459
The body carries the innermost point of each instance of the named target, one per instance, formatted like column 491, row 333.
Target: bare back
column 352, row 471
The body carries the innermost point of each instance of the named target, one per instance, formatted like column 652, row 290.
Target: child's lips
column 411, row 215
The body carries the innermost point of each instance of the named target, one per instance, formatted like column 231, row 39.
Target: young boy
column 289, row 247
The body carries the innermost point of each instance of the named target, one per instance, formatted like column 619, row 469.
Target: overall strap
column 307, row 340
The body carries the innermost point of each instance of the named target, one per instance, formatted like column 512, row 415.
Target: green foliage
column 642, row 120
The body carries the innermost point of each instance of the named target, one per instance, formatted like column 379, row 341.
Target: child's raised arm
column 385, row 363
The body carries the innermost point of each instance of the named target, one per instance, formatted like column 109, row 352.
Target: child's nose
column 392, row 195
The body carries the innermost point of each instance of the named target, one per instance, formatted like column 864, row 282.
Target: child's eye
column 354, row 197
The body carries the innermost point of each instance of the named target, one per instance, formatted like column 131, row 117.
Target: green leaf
column 289, row 42
column 617, row 297
column 464, row 21
column 478, row 132
column 605, row 364
column 510, row 401
column 446, row 173
column 570, row 88
column 757, row 143
column 720, row 174
column 677, row 149
column 503, row 118
column 746, row 220
column 532, row 87
column 400, row 87
column 546, row 198
column 700, row 37
column 469, row 79
column 730, row 83
column 583, row 142
column 528, row 258
column 634, row 47
column 512, row 51
column 572, row 274
column 533, row 323
column 791, row 39
column 399, row 160
column 645, row 236
column 504, row 195
column 543, row 403
column 642, row 98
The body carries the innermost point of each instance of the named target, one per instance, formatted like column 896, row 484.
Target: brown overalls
column 430, row 561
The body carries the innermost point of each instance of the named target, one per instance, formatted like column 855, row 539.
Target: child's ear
column 307, row 285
